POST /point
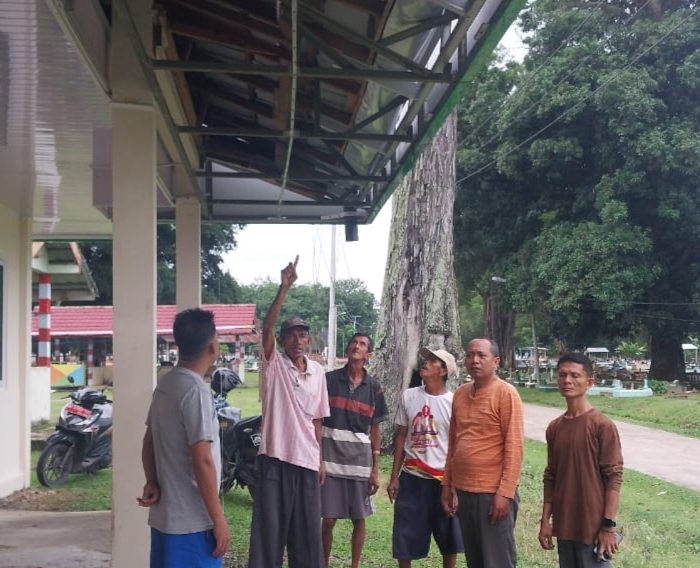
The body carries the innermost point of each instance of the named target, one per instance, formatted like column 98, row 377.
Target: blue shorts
column 192, row 550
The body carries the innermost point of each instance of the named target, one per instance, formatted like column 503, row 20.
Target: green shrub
column 658, row 387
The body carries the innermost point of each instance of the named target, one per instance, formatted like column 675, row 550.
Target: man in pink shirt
column 287, row 507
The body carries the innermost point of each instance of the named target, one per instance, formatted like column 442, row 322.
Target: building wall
column 14, row 401
column 40, row 394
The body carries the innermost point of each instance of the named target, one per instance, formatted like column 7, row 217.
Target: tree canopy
column 356, row 307
column 578, row 174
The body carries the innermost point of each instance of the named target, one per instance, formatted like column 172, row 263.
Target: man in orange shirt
column 484, row 459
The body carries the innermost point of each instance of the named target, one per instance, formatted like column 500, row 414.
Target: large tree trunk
column 419, row 301
column 667, row 361
column 500, row 326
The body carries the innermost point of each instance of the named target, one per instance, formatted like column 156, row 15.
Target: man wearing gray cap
column 420, row 450
column 287, row 507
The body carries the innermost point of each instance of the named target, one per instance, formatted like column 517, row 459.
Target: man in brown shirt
column 583, row 475
column 484, row 458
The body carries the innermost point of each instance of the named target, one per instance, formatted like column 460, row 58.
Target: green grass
column 673, row 414
column 660, row 521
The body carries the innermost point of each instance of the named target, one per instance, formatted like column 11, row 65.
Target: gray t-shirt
column 182, row 413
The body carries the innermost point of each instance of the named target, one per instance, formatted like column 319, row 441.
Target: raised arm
column 288, row 277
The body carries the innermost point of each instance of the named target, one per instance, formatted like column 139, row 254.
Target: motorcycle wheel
column 227, row 481
column 107, row 459
column 54, row 465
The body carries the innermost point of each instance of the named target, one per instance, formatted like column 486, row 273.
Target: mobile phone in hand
column 606, row 556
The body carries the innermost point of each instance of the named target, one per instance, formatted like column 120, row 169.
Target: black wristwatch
column 608, row 523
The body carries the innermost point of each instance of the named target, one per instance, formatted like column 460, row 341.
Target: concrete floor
column 37, row 539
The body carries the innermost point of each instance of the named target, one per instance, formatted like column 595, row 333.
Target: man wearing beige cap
column 420, row 450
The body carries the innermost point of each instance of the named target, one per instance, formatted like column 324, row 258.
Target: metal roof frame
column 313, row 110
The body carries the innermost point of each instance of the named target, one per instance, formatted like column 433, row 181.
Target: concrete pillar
column 25, row 345
column 188, row 253
column 134, row 266
column 134, row 284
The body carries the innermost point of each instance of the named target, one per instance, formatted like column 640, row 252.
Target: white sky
column 263, row 250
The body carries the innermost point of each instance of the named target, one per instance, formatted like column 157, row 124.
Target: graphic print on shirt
column 424, row 432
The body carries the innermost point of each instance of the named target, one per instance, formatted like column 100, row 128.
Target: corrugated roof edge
column 479, row 57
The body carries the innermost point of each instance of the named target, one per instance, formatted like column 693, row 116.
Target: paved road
column 657, row 453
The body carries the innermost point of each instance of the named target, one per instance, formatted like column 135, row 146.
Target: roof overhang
column 311, row 111
column 71, row 280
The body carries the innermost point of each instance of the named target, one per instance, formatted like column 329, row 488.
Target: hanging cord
column 292, row 110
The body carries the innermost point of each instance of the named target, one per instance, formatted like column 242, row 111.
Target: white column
column 134, row 283
column 188, row 253
column 25, row 344
column 134, row 291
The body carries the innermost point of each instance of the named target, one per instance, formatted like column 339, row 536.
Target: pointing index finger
column 296, row 260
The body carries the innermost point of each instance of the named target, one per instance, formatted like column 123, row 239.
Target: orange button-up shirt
column 485, row 452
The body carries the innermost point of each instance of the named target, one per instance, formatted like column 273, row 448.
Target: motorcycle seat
column 230, row 413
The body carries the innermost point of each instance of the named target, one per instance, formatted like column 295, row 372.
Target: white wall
column 40, row 394
column 15, row 245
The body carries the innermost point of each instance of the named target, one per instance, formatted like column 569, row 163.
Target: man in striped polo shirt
column 350, row 446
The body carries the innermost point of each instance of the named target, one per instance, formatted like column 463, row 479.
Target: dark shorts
column 192, row 550
column 418, row 515
column 574, row 554
column 346, row 499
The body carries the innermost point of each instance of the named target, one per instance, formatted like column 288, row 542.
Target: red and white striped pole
column 44, row 350
column 90, row 362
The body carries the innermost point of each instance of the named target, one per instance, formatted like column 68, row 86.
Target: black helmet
column 88, row 397
column 224, row 380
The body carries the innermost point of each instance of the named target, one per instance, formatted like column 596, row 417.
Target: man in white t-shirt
column 420, row 450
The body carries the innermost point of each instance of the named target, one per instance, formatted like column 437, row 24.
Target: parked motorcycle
column 82, row 442
column 240, row 438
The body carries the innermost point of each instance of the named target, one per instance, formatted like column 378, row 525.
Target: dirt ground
column 33, row 500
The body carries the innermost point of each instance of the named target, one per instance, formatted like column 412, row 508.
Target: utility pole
column 332, row 309
column 536, row 351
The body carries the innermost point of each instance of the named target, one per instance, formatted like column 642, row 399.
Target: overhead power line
column 522, row 87
column 568, row 111
column 549, row 92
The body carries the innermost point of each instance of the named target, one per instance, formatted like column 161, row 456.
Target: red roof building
column 233, row 321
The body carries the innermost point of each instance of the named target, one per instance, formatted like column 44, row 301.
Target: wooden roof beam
column 226, row 37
